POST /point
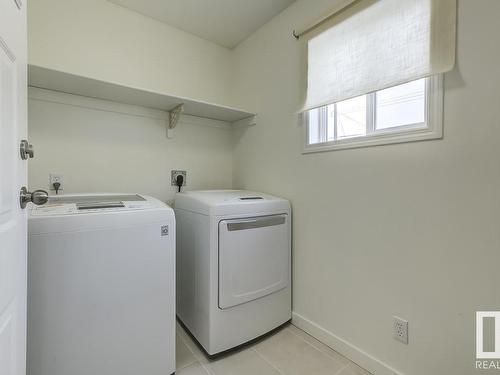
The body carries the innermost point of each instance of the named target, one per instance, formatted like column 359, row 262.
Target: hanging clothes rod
column 332, row 13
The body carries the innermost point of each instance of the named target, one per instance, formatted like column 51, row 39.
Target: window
column 404, row 113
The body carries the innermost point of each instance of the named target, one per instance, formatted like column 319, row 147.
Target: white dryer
column 101, row 286
column 233, row 265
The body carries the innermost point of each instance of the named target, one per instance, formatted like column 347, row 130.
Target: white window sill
column 422, row 134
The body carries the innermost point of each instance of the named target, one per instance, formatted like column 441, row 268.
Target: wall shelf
column 73, row 84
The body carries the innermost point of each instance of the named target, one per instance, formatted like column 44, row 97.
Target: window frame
column 432, row 128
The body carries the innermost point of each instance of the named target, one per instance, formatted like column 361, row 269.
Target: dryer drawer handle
column 262, row 222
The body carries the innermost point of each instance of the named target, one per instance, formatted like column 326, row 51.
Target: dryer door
column 254, row 258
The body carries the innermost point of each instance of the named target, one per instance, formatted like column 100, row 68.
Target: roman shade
column 376, row 44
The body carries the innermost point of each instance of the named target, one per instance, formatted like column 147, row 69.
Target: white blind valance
column 376, row 44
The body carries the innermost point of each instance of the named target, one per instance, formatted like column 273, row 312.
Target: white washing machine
column 233, row 266
column 101, row 286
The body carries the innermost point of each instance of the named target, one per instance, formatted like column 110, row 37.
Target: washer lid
column 228, row 202
column 82, row 204
column 84, row 212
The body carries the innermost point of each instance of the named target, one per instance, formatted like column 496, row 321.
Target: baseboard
column 363, row 359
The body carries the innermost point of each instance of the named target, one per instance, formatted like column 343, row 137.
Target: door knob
column 26, row 150
column 37, row 197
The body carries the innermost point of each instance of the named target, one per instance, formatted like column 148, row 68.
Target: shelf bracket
column 173, row 119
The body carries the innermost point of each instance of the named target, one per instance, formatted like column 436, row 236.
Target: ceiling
column 225, row 22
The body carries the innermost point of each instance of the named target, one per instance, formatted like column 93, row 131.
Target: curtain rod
column 332, row 13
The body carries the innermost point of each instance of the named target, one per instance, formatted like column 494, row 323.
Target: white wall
column 101, row 40
column 108, row 151
column 102, row 146
column 409, row 229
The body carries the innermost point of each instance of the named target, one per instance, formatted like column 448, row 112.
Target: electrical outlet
column 400, row 329
column 174, row 175
column 56, row 177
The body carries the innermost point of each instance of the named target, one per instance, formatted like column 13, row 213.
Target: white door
column 12, row 177
column 254, row 258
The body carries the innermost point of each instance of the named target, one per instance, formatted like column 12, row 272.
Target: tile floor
column 290, row 351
